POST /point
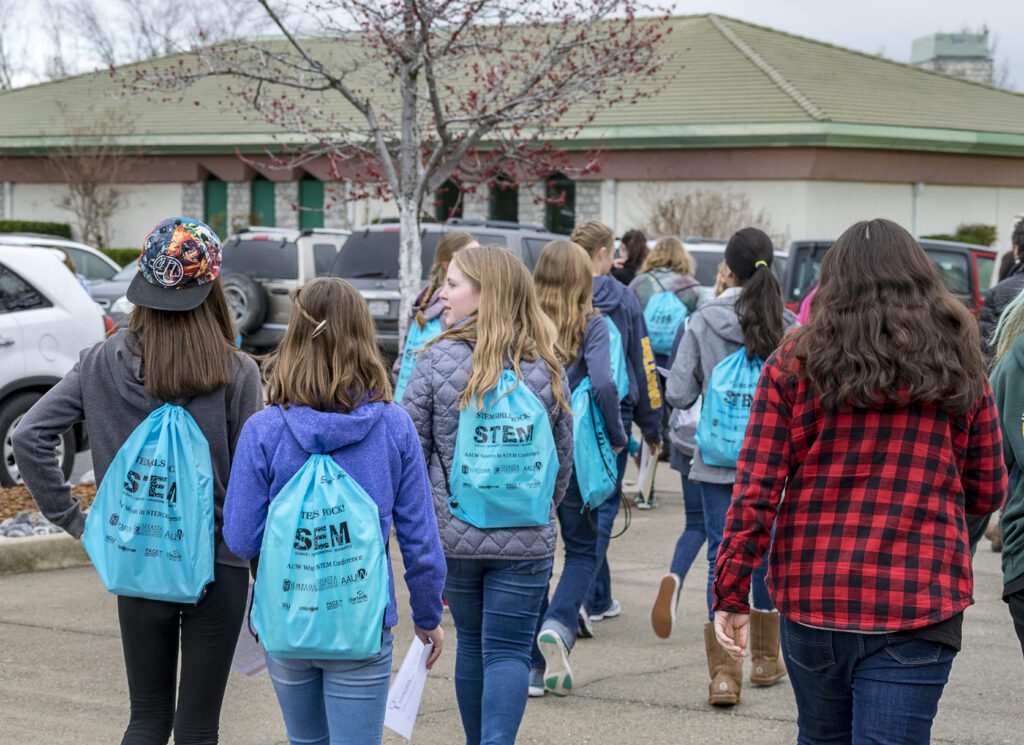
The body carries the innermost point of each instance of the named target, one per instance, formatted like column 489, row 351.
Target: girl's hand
column 433, row 635
column 618, row 449
column 732, row 630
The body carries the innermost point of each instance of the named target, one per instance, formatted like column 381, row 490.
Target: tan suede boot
column 726, row 673
column 767, row 666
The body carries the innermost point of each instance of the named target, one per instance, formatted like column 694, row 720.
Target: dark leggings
column 1016, row 601
column 208, row 631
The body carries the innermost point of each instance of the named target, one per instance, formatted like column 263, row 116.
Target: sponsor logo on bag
column 502, row 434
column 322, row 537
column 359, row 597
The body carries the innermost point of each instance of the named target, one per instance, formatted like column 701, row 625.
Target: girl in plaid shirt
column 877, row 422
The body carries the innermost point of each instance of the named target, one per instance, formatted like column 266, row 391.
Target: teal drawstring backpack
column 505, row 464
column 594, row 462
column 150, row 530
column 726, row 409
column 322, row 585
column 664, row 313
column 618, row 356
column 415, row 340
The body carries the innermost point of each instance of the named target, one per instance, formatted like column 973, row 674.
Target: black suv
column 369, row 260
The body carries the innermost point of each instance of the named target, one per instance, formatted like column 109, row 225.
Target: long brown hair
column 449, row 244
column 328, row 359
column 185, row 353
column 565, row 289
column 508, row 325
column 885, row 329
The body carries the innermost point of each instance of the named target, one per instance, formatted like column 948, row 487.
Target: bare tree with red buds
column 400, row 95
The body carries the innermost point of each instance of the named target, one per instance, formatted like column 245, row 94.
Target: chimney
column 964, row 55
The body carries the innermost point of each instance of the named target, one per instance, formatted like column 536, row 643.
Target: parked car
column 709, row 253
column 966, row 269
column 107, row 292
column 261, row 266
column 369, row 260
column 46, row 319
column 92, row 264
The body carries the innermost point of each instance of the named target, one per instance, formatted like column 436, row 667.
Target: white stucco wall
column 145, row 206
column 823, row 209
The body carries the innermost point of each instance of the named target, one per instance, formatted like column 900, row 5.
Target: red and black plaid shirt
column 870, row 534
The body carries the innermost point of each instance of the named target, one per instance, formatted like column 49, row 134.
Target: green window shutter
column 311, row 201
column 215, row 206
column 560, row 211
column 504, row 203
column 262, row 192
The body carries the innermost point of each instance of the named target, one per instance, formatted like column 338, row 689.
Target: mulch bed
column 17, row 499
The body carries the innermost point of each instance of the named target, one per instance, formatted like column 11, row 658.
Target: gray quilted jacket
column 432, row 399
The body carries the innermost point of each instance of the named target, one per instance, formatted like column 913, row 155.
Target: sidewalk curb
column 36, row 553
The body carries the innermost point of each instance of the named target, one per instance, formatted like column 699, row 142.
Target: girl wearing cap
column 329, row 393
column 748, row 314
column 178, row 348
column 497, row 577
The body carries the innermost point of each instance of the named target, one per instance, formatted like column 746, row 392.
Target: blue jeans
column 494, row 604
column 715, row 499
column 580, row 541
column 694, row 533
column 599, row 599
column 333, row 702
column 864, row 689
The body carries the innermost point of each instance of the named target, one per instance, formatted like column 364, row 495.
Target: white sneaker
column 536, row 689
column 613, row 610
column 584, row 630
column 557, row 673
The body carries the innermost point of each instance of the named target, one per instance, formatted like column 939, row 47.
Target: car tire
column 11, row 412
column 247, row 301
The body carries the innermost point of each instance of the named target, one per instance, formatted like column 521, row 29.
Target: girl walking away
column 490, row 402
column 564, row 288
column 634, row 245
column 426, row 320
column 642, row 402
column 319, row 479
column 1008, row 342
column 877, row 422
column 720, row 358
column 163, row 402
column 667, row 291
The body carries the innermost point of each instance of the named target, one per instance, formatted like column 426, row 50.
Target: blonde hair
column 328, row 359
column 593, row 235
column 565, row 289
column 670, row 253
column 447, row 247
column 509, row 324
column 1009, row 328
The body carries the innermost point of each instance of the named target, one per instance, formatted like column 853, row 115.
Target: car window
column 986, row 266
column 17, row 294
column 490, row 239
column 126, row 274
column 273, row 259
column 806, row 267
column 373, row 254
column 954, row 270
column 89, row 265
column 707, row 265
column 323, row 258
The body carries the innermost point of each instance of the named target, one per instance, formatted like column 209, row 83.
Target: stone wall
column 476, row 205
column 531, row 203
column 286, row 199
column 336, row 206
column 192, row 199
column 239, row 205
column 588, row 201
column 974, row 70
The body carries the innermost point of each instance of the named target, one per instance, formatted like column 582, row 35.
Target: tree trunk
column 410, row 269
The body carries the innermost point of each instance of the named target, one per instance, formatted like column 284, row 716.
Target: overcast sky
column 886, row 27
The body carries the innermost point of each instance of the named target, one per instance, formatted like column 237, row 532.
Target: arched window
column 263, row 209
column 504, row 204
column 311, row 202
column 560, row 208
column 215, row 205
column 448, row 200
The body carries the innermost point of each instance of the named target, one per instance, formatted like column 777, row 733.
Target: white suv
column 46, row 319
column 94, row 265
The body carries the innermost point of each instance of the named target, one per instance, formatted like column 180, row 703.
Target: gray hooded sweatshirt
column 713, row 334
column 106, row 389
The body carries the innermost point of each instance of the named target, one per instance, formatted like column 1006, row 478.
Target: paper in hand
column 407, row 689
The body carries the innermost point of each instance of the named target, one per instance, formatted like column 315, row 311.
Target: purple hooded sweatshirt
column 377, row 446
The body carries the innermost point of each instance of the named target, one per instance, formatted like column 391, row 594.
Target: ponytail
column 749, row 254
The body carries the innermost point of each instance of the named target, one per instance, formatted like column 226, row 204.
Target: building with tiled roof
column 815, row 135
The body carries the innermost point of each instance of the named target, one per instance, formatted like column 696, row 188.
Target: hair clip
column 319, row 329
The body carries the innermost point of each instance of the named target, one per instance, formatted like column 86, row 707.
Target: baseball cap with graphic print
column 180, row 260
